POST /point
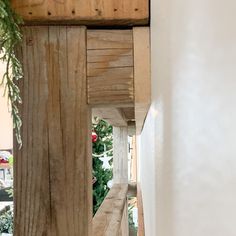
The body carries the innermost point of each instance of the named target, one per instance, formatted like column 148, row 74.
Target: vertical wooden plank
column 53, row 187
column 31, row 192
column 142, row 75
column 120, row 167
column 82, row 164
column 120, row 155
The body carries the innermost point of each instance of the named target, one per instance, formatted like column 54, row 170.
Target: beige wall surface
column 6, row 137
column 187, row 149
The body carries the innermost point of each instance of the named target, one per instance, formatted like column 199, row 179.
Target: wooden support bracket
column 118, row 79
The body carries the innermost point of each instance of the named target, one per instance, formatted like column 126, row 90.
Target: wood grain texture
column 142, row 75
column 86, row 12
column 120, row 155
column 120, row 168
column 109, row 39
column 53, row 182
column 110, row 68
column 107, row 221
column 124, row 228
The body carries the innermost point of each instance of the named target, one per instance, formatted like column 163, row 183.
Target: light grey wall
column 187, row 149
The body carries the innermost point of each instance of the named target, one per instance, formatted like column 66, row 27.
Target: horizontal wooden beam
column 110, row 79
column 118, row 75
column 83, row 12
column 107, row 220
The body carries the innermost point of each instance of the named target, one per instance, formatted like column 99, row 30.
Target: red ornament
column 94, row 137
column 3, row 161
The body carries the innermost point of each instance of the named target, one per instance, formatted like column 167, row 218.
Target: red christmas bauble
column 2, row 161
column 94, row 137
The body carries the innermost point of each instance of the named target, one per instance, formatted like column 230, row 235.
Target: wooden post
column 120, row 168
column 120, row 155
column 53, row 179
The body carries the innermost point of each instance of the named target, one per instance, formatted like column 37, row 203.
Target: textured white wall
column 188, row 146
column 6, row 137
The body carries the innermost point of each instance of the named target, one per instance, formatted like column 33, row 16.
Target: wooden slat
column 142, row 77
column 53, row 180
column 110, row 68
column 107, row 221
column 109, row 39
column 109, row 52
column 101, row 62
column 31, row 162
column 86, row 12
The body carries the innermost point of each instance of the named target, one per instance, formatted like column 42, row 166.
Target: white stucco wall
column 188, row 145
column 6, row 137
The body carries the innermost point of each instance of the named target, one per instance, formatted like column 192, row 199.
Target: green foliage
column 10, row 191
column 6, row 222
column 100, row 188
column 10, row 36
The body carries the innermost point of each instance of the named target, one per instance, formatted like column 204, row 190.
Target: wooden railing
column 111, row 218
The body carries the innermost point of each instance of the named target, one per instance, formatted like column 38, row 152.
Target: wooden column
column 53, row 182
column 120, row 168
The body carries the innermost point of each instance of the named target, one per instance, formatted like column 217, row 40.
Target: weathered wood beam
column 118, row 65
column 107, row 221
column 110, row 82
column 52, row 170
column 110, row 68
column 85, row 12
column 142, row 75
column 120, row 168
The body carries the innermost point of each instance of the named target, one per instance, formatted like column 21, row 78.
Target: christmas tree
column 102, row 161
